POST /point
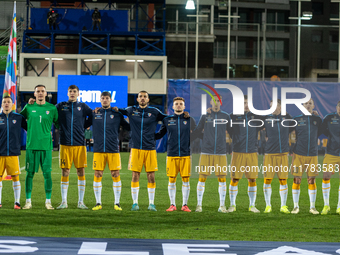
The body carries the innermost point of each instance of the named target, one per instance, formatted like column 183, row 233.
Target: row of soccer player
column 72, row 117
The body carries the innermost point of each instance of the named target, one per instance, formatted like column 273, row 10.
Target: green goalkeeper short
column 35, row 158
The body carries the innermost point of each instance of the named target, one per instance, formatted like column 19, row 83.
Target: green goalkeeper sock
column 48, row 185
column 29, row 184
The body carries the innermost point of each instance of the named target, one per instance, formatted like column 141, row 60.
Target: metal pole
column 299, row 43
column 196, row 48
column 264, row 51
column 186, row 51
column 258, row 52
column 228, row 40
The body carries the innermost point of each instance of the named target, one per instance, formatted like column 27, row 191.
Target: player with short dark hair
column 331, row 162
column 213, row 152
column 105, row 124
column 40, row 116
column 178, row 151
column 305, row 157
column 72, row 118
column 10, row 143
column 143, row 122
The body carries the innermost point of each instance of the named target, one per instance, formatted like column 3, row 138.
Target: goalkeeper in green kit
column 40, row 117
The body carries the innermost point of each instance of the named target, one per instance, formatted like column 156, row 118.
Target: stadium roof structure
column 149, row 38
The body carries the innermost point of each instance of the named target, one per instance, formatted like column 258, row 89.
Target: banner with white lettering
column 90, row 88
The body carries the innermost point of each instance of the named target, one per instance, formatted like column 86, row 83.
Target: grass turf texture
column 210, row 225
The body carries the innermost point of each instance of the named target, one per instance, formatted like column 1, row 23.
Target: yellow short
column 246, row 163
column 331, row 163
column 112, row 160
column 175, row 165
column 139, row 158
column 275, row 163
column 72, row 154
column 213, row 163
column 302, row 164
column 11, row 164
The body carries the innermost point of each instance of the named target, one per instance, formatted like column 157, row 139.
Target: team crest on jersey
column 14, row 121
column 47, row 112
column 185, row 122
column 149, row 114
column 79, row 108
column 112, row 116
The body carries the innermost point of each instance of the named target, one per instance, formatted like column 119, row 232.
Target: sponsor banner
column 73, row 246
column 90, row 88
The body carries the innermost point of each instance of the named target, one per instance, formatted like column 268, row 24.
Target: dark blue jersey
column 178, row 129
column 331, row 128
column 72, row 116
column 106, row 124
column 10, row 133
column 143, row 124
column 277, row 134
column 214, row 135
column 307, row 131
column 245, row 136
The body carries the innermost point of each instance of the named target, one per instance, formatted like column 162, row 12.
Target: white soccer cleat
column 254, row 209
column 313, row 211
column 232, row 209
column 296, row 210
column 198, row 208
column 222, row 209
column 49, row 206
column 27, row 206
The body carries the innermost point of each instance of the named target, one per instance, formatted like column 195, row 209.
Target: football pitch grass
column 208, row 225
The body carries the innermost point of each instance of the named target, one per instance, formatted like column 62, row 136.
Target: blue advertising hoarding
column 90, row 88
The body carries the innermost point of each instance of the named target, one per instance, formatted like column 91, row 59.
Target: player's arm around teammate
column 10, row 144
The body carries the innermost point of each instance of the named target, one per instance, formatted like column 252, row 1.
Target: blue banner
column 90, row 88
column 325, row 95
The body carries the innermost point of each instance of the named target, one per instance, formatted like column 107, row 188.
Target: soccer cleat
column 152, row 207
column 17, row 206
column 284, row 209
column 338, row 210
column 81, row 205
column 268, row 209
column 97, row 207
column 296, row 210
column 313, row 211
column 185, row 208
column 253, row 209
column 198, row 208
column 171, row 208
column 27, row 206
column 135, row 207
column 325, row 210
column 63, row 205
column 232, row 209
column 49, row 206
column 222, row 209
column 117, row 207
column 0, row 205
